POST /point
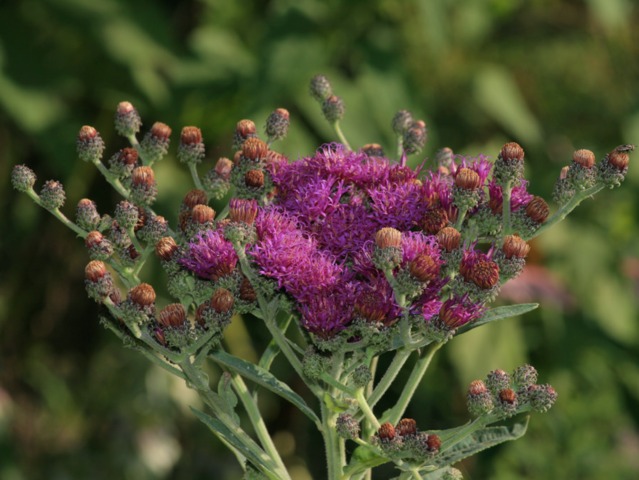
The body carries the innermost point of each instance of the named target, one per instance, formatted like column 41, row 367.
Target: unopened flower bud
column 142, row 295
column 424, row 268
column 386, row 432
column 373, row 150
column 541, row 397
column 191, row 148
column 222, row 300
column 584, row 157
column 537, row 210
column 123, row 162
column 87, row 216
column 244, row 129
column 154, row 228
column 388, row 237
column 223, row 168
column 525, row 376
column 89, row 144
column 509, row 166
column 444, row 158
column 434, row 443
column 333, row 108
column 165, row 248
column 247, row 292
column 277, row 124
column 434, row 220
column 254, row 149
column 449, row 238
column 361, row 376
column 467, row 179
column 414, row 138
column 479, row 399
column 515, row 246
column 482, row 272
column 320, row 88
column 512, row 151
column 22, row 178
column 95, row 270
column 497, row 380
column 155, row 143
column 126, row 214
column 52, row 195
column 347, row 427
column 99, row 247
column 172, row 315
column 508, row 401
column 202, row 214
column 619, row 160
column 242, row 210
column 406, row 427
column 254, row 178
column 127, row 119
column 402, row 121
column 143, row 186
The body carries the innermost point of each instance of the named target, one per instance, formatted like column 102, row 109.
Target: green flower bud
column 22, row 178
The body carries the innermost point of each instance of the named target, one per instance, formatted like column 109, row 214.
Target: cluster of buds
column 505, row 395
column 405, row 441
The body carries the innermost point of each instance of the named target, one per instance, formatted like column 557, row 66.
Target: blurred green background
column 554, row 75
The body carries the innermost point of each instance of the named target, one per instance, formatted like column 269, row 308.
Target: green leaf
column 228, row 397
column 499, row 313
column 333, row 405
column 265, row 379
column 481, row 440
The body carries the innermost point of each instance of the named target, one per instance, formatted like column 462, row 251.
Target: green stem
column 563, row 212
column 461, row 215
column 366, row 409
column 340, row 135
column 393, row 415
column 335, row 460
column 253, row 412
column 196, row 177
column 57, row 214
column 112, row 179
column 506, row 190
column 140, row 263
column 389, row 376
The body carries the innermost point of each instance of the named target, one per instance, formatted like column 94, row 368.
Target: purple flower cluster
column 316, row 240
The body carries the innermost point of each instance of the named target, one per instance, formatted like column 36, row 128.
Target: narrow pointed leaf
column 499, row 313
column 264, row 378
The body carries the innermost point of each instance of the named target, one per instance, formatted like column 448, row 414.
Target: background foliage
column 552, row 75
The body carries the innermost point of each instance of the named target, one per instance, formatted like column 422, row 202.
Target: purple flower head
column 345, row 230
column 327, row 315
column 480, row 164
column 209, row 255
column 415, row 243
column 273, row 221
column 438, row 189
column 397, row 205
column 459, row 311
column 519, row 196
column 375, row 301
column 479, row 268
column 310, row 201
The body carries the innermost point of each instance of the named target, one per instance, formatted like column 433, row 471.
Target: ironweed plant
column 344, row 256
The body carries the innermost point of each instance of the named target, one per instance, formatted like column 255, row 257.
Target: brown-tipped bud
column 476, row 388
column 87, row 216
column 434, row 443
column 277, row 124
column 406, row 427
column 143, row 176
column 193, row 198
column 142, row 295
column 93, row 239
column 222, row 300
column 247, row 292
column 89, row 144
column 127, row 119
column 172, row 315
column 160, row 131
column 512, row 151
column 320, row 88
column 254, row 179
column 386, row 431
column 444, row 157
column 537, row 210
column 373, row 150
column 467, row 179
column 242, row 210
column 584, row 157
column 402, row 121
column 563, row 174
column 245, row 128
column 424, row 268
column 388, row 237
column 333, row 108
column 254, row 149
column 434, row 220
column 95, row 270
column 482, row 272
column 190, row 136
column 449, row 238
column 52, row 195
column 508, row 395
column 202, row 214
column 223, row 168
column 619, row 159
column 165, row 248
column 515, row 246
column 497, row 380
